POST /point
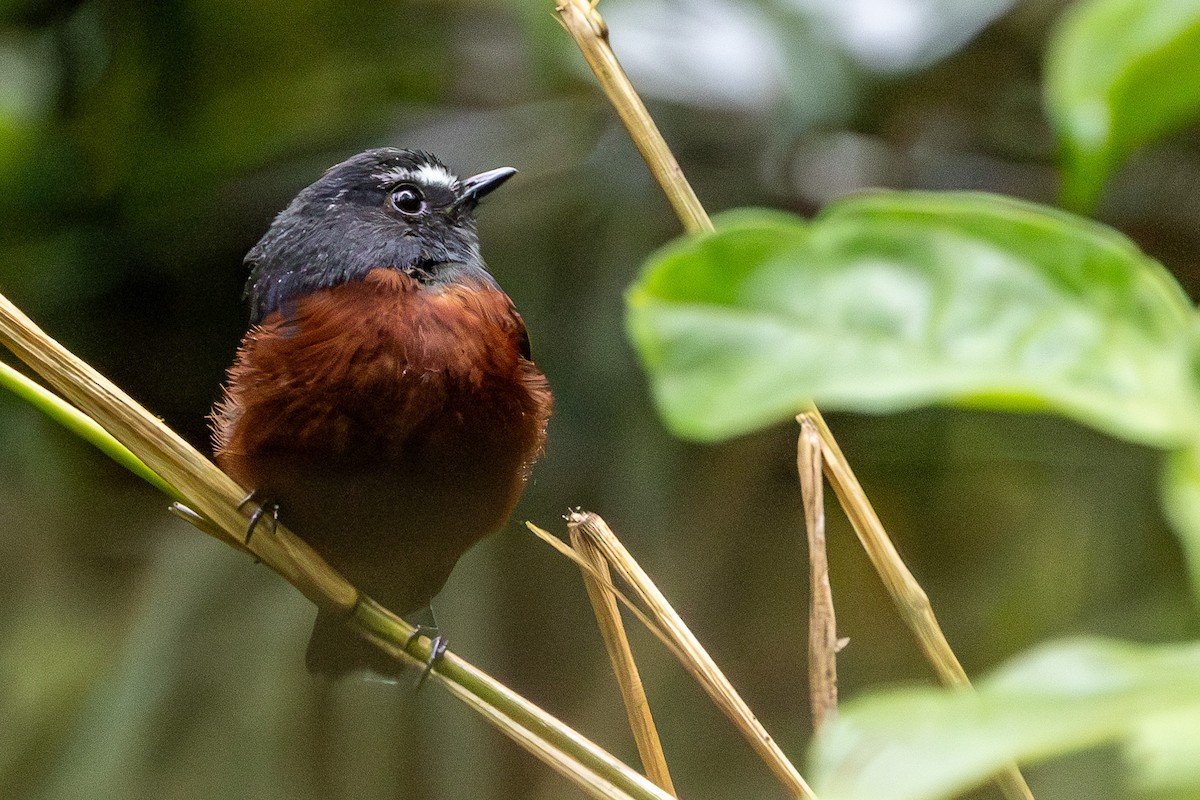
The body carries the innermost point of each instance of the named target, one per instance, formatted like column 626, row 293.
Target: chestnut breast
column 395, row 423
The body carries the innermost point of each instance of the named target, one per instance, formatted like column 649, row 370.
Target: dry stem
column 612, row 631
column 695, row 658
column 910, row 599
column 208, row 490
column 822, row 624
column 589, row 31
column 906, row 592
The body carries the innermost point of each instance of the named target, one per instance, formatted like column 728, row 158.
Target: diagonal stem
column 616, row 642
column 692, row 654
column 590, row 32
column 907, row 595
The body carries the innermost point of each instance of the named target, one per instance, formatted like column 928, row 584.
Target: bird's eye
column 408, row 199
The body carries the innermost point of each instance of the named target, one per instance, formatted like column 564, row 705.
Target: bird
column 384, row 402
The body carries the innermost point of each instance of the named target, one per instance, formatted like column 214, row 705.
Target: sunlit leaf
column 1119, row 74
column 922, row 744
column 1164, row 752
column 889, row 301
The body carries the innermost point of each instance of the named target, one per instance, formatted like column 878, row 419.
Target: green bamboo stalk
column 82, row 426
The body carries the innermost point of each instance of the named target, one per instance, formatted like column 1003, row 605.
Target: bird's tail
column 334, row 650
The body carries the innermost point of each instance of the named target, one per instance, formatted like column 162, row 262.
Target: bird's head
column 400, row 209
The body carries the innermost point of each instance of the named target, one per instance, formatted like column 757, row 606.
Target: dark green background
column 144, row 147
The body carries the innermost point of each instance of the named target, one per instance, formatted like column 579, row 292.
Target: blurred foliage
column 145, row 146
column 922, row 743
column 1119, row 73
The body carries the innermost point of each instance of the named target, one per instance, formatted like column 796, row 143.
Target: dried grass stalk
column 612, row 630
column 693, row 656
column 823, row 645
column 907, row 595
column 590, row 33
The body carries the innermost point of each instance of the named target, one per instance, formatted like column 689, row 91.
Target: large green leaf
column 889, row 301
column 1118, row 74
column 921, row 744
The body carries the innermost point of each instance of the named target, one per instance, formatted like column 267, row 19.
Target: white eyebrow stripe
column 426, row 175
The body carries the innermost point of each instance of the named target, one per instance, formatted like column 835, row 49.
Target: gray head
column 401, row 209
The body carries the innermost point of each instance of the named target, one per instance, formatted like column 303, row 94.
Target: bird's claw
column 267, row 509
column 437, row 649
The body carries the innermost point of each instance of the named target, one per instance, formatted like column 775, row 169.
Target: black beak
column 478, row 186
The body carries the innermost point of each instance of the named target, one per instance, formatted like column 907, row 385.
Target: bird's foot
column 437, row 649
column 264, row 509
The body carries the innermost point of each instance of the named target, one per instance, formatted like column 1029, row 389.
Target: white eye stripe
column 425, row 175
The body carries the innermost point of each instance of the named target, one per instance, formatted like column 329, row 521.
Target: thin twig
column 907, row 595
column 696, row 659
column 207, row 490
column 612, row 631
column 910, row 599
column 476, row 687
column 587, row 27
column 823, row 645
column 591, row 782
column 586, row 566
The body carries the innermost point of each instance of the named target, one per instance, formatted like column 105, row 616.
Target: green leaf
column 1180, row 489
column 1165, row 753
column 921, row 744
column 889, row 301
column 1118, row 74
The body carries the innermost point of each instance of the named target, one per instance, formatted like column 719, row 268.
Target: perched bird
column 384, row 397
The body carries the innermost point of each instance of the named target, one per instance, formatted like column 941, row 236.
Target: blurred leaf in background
column 1119, row 74
column 929, row 743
